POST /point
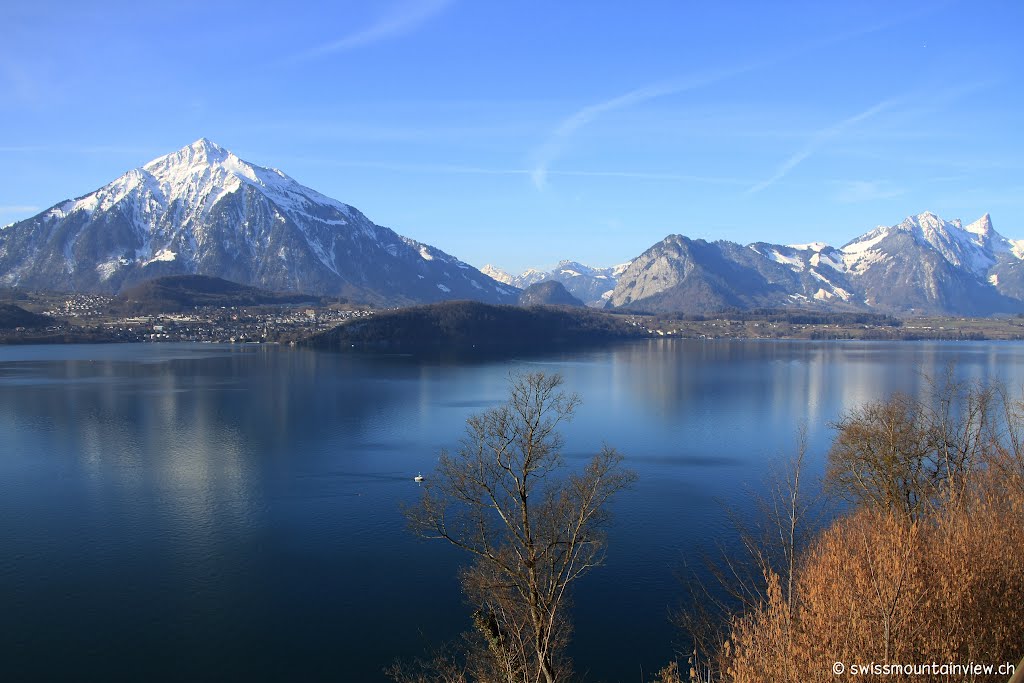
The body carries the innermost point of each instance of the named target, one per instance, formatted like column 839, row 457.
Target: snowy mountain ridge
column 922, row 264
column 974, row 247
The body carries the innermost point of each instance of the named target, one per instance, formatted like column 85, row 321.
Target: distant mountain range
column 592, row 286
column 202, row 210
column 922, row 265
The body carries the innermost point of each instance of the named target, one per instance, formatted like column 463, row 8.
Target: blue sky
column 520, row 133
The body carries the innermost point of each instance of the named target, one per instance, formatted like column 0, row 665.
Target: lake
column 209, row 512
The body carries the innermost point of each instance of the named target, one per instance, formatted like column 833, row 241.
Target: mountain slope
column 12, row 317
column 681, row 274
column 173, row 293
column 202, row 210
column 547, row 293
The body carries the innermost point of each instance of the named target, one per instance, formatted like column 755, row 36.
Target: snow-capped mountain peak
column 963, row 248
column 195, row 159
column 203, row 210
column 201, row 152
column 496, row 274
column 982, row 226
column 972, row 248
column 204, row 172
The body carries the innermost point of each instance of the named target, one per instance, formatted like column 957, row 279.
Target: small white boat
column 418, row 477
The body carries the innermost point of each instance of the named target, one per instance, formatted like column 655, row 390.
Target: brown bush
column 880, row 588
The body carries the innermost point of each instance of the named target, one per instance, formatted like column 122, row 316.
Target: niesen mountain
column 202, row 210
column 924, row 265
column 591, row 285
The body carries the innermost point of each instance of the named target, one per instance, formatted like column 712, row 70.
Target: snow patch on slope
column 865, row 242
column 1017, row 248
column 618, row 270
column 833, row 290
column 108, row 268
column 162, row 255
column 859, row 254
column 791, row 261
column 813, row 246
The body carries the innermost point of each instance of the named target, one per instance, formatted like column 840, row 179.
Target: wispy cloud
column 972, row 164
column 856, row 191
column 897, row 107
column 404, row 19
column 88, row 150
column 481, row 170
column 640, row 175
column 18, row 149
column 817, row 140
column 552, row 148
column 362, row 131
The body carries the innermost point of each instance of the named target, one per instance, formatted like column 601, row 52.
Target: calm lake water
column 205, row 512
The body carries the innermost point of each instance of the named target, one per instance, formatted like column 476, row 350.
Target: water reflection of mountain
column 768, row 384
column 250, row 495
column 195, row 434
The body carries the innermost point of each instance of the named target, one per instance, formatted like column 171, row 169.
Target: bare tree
column 789, row 514
column 442, row 666
column 1007, row 453
column 964, row 422
column 911, row 455
column 885, row 456
column 792, row 514
column 532, row 528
